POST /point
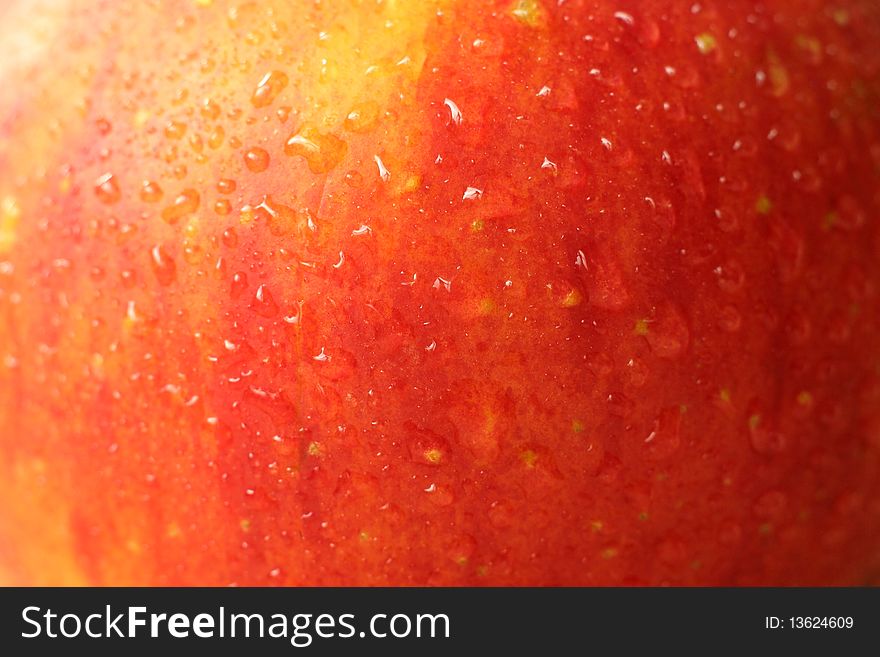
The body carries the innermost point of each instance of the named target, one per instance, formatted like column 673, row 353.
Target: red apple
column 440, row 292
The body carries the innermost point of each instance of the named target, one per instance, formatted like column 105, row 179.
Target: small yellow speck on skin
column 192, row 227
column 364, row 537
column 841, row 16
column 577, row 426
column 572, row 299
column 131, row 318
column 10, row 213
column 133, row 546
column 641, row 327
column 778, row 75
column 662, row 476
column 65, row 185
column 486, row 306
column 829, row 220
column 314, row 449
column 461, row 560
column 763, row 205
column 478, row 225
column 706, row 43
column 528, row 12
column 804, row 398
column 173, row 530
column 727, row 482
column 246, row 216
column 808, row 43
column 765, row 529
column 696, row 564
column 482, row 571
column 245, row 525
column 433, row 456
column 724, row 395
column 204, row 3
column 529, row 457
column 597, row 525
column 754, row 421
column 609, row 553
column 413, row 182
column 141, row 117
column 643, row 516
column 97, row 365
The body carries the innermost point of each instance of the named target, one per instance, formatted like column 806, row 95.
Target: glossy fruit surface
column 439, row 292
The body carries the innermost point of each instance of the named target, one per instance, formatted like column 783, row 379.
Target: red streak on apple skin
column 554, row 297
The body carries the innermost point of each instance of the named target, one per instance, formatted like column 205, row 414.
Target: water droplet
column 226, row 186
column 472, row 194
column 625, row 18
column 603, row 277
column 668, row 334
column 648, row 32
column 263, row 304
column 239, row 284
column 106, row 189
column 186, row 203
column 798, row 327
column 771, row 505
column 193, row 254
column 565, row 293
column 354, row 179
column 256, row 159
column 384, row 173
column 175, row 129
column 322, row 152
column 461, row 548
column 210, row 110
column 230, row 238
column 425, row 446
column 727, row 220
column 638, row 372
column 729, row 319
column 104, row 126
column 731, row 277
column 279, row 218
column 151, row 192
column 272, row 84
column 216, row 137
column 196, row 143
column 454, row 112
column 128, row 277
column 163, row 266
column 223, row 207
column 765, row 439
column 849, row 215
column 362, row 117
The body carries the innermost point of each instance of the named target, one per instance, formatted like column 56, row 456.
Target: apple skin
column 440, row 293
